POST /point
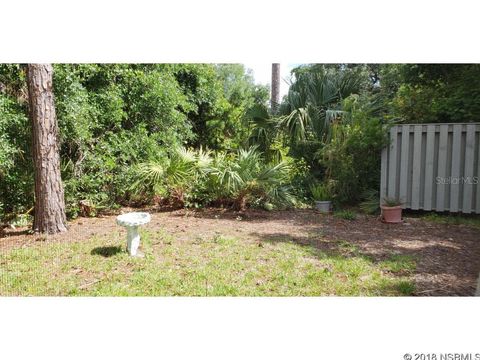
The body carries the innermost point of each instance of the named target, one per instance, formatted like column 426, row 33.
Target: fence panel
column 433, row 167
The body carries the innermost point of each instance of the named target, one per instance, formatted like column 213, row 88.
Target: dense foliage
column 336, row 117
column 112, row 117
column 439, row 93
column 200, row 134
column 240, row 178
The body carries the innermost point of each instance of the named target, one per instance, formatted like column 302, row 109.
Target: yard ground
column 258, row 253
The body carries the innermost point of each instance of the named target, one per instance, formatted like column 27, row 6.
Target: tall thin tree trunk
column 477, row 292
column 49, row 216
column 275, row 96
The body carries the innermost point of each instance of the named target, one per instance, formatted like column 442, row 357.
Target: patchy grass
column 346, row 248
column 404, row 264
column 345, row 214
column 203, row 266
column 406, row 287
column 452, row 219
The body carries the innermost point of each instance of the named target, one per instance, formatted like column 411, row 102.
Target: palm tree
column 275, row 96
column 245, row 176
column 263, row 131
column 174, row 176
column 314, row 101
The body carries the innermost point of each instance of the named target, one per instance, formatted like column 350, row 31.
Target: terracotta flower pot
column 391, row 214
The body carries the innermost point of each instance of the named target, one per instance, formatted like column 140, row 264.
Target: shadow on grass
column 438, row 258
column 106, row 251
column 316, row 245
column 342, row 252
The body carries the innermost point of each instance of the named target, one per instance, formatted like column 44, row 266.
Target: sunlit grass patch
column 399, row 263
column 206, row 265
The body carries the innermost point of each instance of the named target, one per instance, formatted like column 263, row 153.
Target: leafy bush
column 433, row 93
column 332, row 118
column 320, row 192
column 200, row 177
column 352, row 157
column 16, row 180
column 177, row 177
column 112, row 117
column 244, row 178
column 371, row 201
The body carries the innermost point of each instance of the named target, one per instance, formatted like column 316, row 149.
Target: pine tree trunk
column 477, row 293
column 49, row 216
column 275, row 96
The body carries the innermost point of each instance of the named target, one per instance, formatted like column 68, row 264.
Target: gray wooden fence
column 433, row 167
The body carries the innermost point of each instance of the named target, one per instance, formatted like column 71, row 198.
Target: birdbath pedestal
column 132, row 221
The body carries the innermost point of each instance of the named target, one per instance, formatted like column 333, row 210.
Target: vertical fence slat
column 442, row 167
column 477, row 201
column 429, row 158
column 383, row 176
column 468, row 174
column 392, row 159
column 437, row 168
column 404, row 164
column 455, row 174
column 417, row 161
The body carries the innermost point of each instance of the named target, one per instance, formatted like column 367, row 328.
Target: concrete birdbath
column 132, row 221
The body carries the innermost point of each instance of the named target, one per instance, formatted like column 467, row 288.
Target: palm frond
column 314, row 99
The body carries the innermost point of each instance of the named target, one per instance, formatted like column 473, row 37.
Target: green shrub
column 16, row 170
column 176, row 177
column 113, row 117
column 352, row 156
column 371, row 201
column 245, row 178
column 320, row 192
column 434, row 93
column 200, row 177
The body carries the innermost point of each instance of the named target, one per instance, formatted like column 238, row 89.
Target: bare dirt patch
column 447, row 256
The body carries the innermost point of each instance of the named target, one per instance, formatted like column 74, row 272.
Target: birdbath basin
column 132, row 221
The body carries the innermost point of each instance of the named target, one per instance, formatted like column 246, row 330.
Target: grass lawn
column 449, row 219
column 216, row 265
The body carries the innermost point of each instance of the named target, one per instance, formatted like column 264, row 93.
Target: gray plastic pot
column 323, row 206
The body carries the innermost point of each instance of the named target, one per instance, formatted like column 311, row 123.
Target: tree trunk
column 49, row 216
column 477, row 293
column 275, row 96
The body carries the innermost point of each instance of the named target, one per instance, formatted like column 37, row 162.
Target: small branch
column 430, row 290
